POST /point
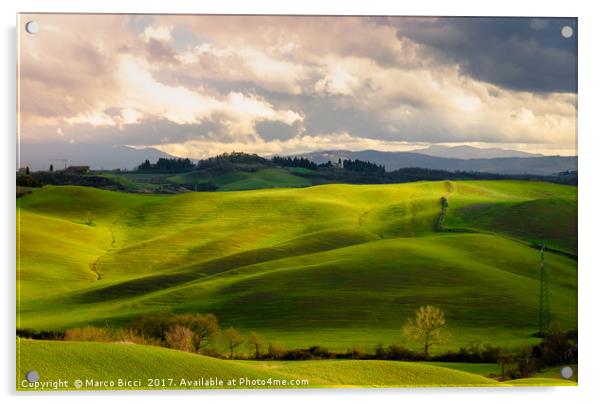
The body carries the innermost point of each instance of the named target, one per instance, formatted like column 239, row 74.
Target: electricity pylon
column 544, row 296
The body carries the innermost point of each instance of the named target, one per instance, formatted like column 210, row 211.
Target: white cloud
column 440, row 104
column 337, row 81
column 141, row 94
column 139, row 90
column 383, row 91
column 297, row 144
column 158, row 33
column 130, row 116
column 95, row 119
column 270, row 70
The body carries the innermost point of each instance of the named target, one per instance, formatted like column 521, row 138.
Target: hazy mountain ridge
column 469, row 152
column 39, row 156
column 538, row 165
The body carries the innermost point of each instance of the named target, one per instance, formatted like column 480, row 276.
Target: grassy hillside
column 333, row 265
column 552, row 218
column 242, row 180
column 229, row 180
column 103, row 361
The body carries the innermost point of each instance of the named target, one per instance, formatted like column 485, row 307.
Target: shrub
column 88, row 333
column 320, row 352
column 154, row 325
column 401, row 353
column 211, row 351
column 43, row 334
column 297, row 355
column 27, row 181
column 356, row 353
column 380, row 352
column 275, row 350
column 557, row 346
column 180, row 337
column 157, row 326
column 526, row 363
column 203, row 326
column 131, row 336
column 471, row 354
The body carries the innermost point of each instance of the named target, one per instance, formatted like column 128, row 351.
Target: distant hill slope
column 237, row 180
column 334, row 265
column 545, row 165
column 469, row 152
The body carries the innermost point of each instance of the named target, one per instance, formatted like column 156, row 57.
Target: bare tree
column 505, row 360
column 233, row 339
column 256, row 342
column 180, row 337
column 203, row 326
column 427, row 327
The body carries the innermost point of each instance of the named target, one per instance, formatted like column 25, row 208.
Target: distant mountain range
column 519, row 164
column 39, row 156
column 469, row 152
column 458, row 158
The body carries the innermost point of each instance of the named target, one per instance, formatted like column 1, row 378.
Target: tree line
column 201, row 333
column 300, row 162
column 360, row 166
column 345, row 171
column 167, row 165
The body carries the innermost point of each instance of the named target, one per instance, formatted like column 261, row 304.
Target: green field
column 241, row 180
column 232, row 180
column 105, row 361
column 336, row 265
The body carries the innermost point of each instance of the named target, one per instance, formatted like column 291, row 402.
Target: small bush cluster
column 26, row 180
column 557, row 347
column 187, row 332
column 34, row 334
column 193, row 332
column 315, row 352
column 105, row 334
column 200, row 333
column 398, row 353
column 474, row 353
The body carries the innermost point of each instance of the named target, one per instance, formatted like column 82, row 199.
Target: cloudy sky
column 196, row 86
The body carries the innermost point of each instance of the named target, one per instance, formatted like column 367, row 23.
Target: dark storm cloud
column 194, row 85
column 324, row 115
column 149, row 131
column 272, row 130
column 517, row 53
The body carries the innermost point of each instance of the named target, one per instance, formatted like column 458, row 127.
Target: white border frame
column 590, row 217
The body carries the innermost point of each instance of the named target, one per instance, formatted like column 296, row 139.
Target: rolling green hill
column 242, row 180
column 72, row 361
column 332, row 265
column 229, row 180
